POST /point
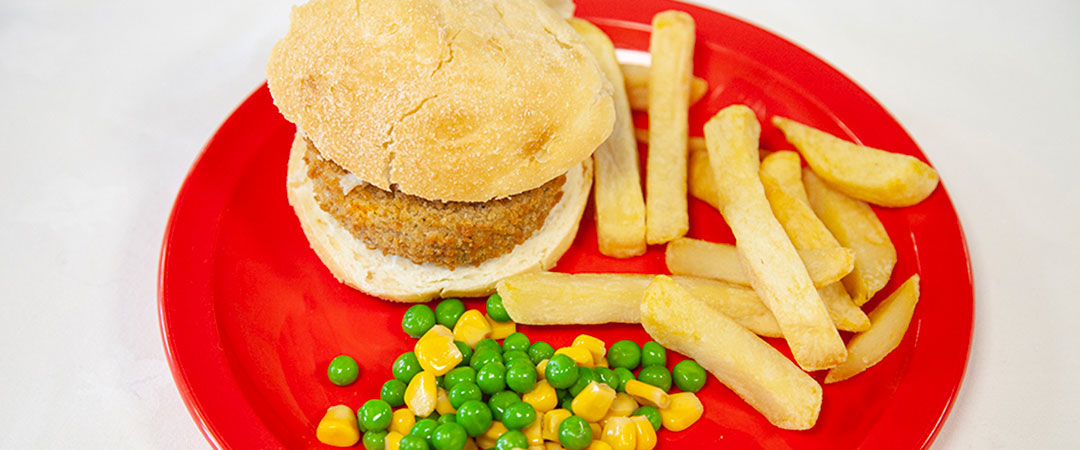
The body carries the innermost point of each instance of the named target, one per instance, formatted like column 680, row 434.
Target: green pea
column 463, row 392
column 375, row 415
column 519, row 415
column 466, row 353
column 459, row 375
column 567, row 404
column 689, row 376
column 439, row 381
column 488, row 343
column 417, row 320
column 651, row 413
column 516, row 354
column 495, row 309
column 393, row 393
column 412, row 442
column 434, row 416
column 585, row 376
column 653, row 354
column 447, row 418
column 375, row 440
column 448, row 311
column 516, row 341
column 475, row 416
column 540, row 351
column 491, row 378
column 624, row 354
column 607, row 376
column 424, row 428
column 481, row 358
column 657, row 376
column 624, row 375
column 521, row 375
column 499, row 402
column 575, row 433
column 561, row 371
column 449, row 436
column 406, row 367
column 343, row 370
column 512, row 440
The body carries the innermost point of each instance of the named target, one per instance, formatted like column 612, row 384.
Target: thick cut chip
column 637, row 86
column 866, row 173
column 697, row 258
column 890, row 322
column 775, row 269
column 855, row 226
column 620, row 205
column 756, row 371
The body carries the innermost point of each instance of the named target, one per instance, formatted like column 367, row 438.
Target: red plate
column 250, row 317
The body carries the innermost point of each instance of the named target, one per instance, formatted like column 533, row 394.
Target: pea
column 459, row 375
column 424, row 428
column 624, row 375
column 607, row 376
column 625, row 354
column 475, row 416
column 567, row 404
column 519, row 415
column 417, row 320
column 657, row 376
column 512, row 440
column 540, row 351
column 375, row 440
column 499, row 402
column 393, row 393
column 561, row 371
column 466, row 353
column 412, row 442
column 448, row 311
column 481, row 358
column 516, row 341
column 495, row 309
column 521, row 375
column 463, row 392
column 651, row 413
column 491, row 378
column 406, row 367
column 375, row 415
column 653, row 354
column 575, row 433
column 449, row 436
column 488, row 343
column 342, row 370
column 585, row 376
column 689, row 375
column 447, row 418
column 516, row 354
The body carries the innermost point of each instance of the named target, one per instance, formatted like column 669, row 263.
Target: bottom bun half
column 399, row 279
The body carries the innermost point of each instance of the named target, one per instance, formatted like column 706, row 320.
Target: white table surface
column 104, row 105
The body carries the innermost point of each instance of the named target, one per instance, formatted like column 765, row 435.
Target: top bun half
column 453, row 100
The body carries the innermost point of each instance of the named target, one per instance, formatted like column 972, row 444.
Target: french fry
column 855, row 226
column 697, row 258
column 781, row 176
column 672, row 49
column 620, row 206
column 637, row 86
column 776, row 272
column 552, row 298
column 890, row 321
column 866, row 173
column 756, row 371
column 565, row 8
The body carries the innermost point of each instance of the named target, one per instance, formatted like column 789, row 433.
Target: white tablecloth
column 105, row 104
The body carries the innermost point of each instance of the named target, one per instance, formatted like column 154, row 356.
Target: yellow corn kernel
column 647, row 393
column 602, row 362
column 593, row 402
column 442, row 403
column 471, row 328
column 646, row 434
column 421, row 394
column 553, row 446
column 683, row 411
column 436, row 351
column 596, row 428
column 403, row 420
column 580, row 355
column 534, row 433
column 552, row 419
column 500, row 330
column 620, row 434
column 593, row 345
column 393, row 440
column 485, row 442
column 338, row 427
column 622, row 406
column 540, row 369
column 495, row 430
column 598, row 445
column 542, row 398
column 470, row 444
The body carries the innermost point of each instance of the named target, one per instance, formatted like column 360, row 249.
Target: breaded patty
column 448, row 234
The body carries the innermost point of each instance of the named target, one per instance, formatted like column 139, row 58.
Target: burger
column 441, row 145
